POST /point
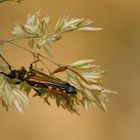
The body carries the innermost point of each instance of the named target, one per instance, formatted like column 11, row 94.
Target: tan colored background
column 117, row 47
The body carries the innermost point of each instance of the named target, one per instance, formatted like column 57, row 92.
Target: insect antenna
column 6, row 62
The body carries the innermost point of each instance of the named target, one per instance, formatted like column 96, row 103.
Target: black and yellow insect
column 40, row 81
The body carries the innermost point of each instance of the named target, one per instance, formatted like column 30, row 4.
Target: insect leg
column 38, row 92
column 60, row 69
column 34, row 62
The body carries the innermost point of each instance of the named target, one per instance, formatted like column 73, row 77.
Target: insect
column 40, row 81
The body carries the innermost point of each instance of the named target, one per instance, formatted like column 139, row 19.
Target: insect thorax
column 18, row 74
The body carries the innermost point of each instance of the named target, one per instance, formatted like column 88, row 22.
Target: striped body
column 42, row 82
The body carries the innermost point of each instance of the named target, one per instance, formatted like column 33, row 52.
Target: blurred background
column 116, row 47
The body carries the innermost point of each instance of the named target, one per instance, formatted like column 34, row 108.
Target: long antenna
column 6, row 62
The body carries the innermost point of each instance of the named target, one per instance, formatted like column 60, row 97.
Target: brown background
column 117, row 47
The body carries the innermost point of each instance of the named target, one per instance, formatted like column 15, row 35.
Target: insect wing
column 45, row 78
column 49, row 83
column 42, row 82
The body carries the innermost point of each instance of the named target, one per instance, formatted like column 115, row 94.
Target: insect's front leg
column 34, row 62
